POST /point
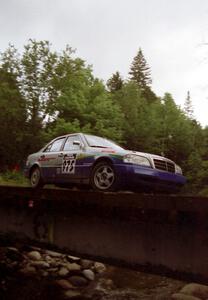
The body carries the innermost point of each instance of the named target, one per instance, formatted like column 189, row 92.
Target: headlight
column 137, row 160
column 178, row 170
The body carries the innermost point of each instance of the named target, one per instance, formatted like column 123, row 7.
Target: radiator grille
column 164, row 165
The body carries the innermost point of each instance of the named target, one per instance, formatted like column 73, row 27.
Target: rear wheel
column 36, row 180
column 103, row 177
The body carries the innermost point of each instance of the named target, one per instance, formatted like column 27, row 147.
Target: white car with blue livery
column 84, row 159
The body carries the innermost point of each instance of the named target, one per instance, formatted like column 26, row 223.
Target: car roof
column 59, row 137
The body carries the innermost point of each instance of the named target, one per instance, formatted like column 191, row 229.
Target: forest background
column 44, row 94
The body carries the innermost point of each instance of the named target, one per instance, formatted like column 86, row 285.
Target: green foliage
column 115, row 83
column 188, row 108
column 203, row 192
column 140, row 71
column 88, row 109
column 12, row 120
column 131, row 104
column 141, row 75
column 62, row 127
column 141, row 123
column 197, row 171
column 176, row 135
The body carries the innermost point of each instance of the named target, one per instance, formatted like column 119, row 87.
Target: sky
column 107, row 34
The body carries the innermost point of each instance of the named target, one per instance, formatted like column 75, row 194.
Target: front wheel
column 35, row 178
column 103, row 177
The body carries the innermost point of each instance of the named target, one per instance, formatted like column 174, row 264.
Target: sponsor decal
column 108, row 151
column 68, row 164
column 41, row 159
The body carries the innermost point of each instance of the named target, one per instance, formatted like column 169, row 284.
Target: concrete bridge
column 161, row 234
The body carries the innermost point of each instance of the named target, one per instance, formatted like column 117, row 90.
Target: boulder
column 73, row 267
column 63, row 271
column 72, row 294
column 53, row 253
column 195, row 289
column 73, row 258
column 64, row 284
column 86, row 264
column 34, row 255
column 13, row 254
column 78, row 281
column 99, row 267
column 180, row 296
column 40, row 264
column 28, row 270
column 89, row 274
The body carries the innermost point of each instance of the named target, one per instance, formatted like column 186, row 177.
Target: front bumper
column 135, row 176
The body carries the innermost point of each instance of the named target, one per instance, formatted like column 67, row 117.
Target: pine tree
column 140, row 71
column 115, row 83
column 188, row 107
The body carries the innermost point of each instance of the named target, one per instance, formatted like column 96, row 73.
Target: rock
column 34, row 255
column 54, row 264
column 44, row 273
column 86, row 264
column 33, row 248
column 61, row 264
column 48, row 258
column 14, row 264
column 195, row 289
column 64, row 284
column 78, row 280
column 89, row 274
column 40, row 264
column 28, row 270
column 13, row 254
column 99, row 267
column 180, row 296
column 73, row 267
column 104, row 284
column 12, row 249
column 72, row 294
column 53, row 271
column 73, row 258
column 63, row 271
column 53, row 253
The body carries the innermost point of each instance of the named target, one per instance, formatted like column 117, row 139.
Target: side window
column 55, row 146
column 69, row 146
column 47, row 149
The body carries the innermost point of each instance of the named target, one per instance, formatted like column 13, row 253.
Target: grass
column 204, row 192
column 13, row 178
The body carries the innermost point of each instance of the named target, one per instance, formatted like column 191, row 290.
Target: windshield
column 96, row 141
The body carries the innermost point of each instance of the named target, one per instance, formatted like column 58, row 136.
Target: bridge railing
column 160, row 234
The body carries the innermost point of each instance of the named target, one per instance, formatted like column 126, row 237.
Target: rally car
column 94, row 161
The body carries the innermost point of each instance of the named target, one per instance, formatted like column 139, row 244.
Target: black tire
column 36, row 180
column 103, row 177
